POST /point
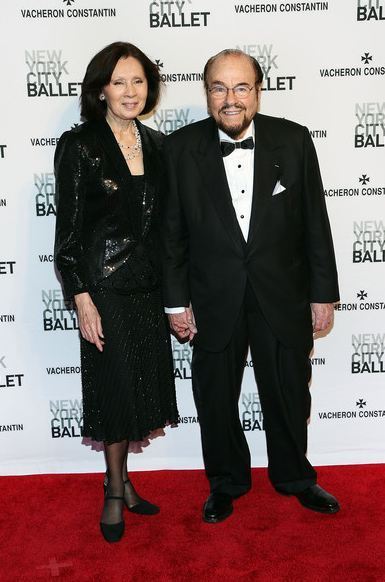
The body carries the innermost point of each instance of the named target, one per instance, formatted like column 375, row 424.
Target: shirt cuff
column 173, row 310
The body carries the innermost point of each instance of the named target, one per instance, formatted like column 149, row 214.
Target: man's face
column 233, row 114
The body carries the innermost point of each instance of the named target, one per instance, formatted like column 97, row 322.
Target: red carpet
column 49, row 531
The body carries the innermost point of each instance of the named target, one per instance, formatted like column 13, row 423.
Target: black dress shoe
column 140, row 506
column 112, row 532
column 318, row 499
column 217, row 507
column 132, row 500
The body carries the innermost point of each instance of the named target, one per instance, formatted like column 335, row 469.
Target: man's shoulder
column 279, row 123
column 191, row 133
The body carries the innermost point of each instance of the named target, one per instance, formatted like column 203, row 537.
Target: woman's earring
column 102, row 97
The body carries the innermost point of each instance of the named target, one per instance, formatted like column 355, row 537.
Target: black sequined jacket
column 95, row 234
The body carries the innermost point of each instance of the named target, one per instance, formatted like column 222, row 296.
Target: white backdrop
column 325, row 66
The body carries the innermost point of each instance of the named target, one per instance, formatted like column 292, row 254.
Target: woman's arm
column 70, row 174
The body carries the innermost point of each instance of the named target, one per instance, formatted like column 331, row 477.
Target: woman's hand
column 90, row 323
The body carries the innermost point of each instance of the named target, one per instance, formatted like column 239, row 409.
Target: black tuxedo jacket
column 95, row 234
column 288, row 257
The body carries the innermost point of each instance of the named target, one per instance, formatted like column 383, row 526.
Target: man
column 248, row 253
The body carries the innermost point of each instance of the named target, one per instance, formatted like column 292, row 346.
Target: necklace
column 134, row 149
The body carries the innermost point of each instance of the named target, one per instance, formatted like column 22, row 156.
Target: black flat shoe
column 317, row 499
column 218, row 507
column 112, row 532
column 140, row 506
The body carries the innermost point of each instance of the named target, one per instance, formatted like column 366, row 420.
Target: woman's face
column 126, row 93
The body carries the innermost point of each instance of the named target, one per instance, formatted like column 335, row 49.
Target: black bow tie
column 228, row 147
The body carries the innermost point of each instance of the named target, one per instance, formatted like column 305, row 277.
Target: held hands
column 183, row 324
column 322, row 315
column 90, row 323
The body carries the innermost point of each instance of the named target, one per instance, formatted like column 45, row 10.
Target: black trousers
column 282, row 375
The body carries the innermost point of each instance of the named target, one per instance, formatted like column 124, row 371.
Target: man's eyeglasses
column 240, row 91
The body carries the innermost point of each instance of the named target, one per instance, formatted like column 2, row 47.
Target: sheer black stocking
column 115, row 454
column 132, row 499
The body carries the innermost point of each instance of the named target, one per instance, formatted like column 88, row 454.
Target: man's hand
column 183, row 324
column 322, row 315
column 90, row 323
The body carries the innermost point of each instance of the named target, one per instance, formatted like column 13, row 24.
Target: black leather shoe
column 318, row 499
column 217, row 508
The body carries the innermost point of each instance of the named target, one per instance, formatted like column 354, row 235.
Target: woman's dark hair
column 99, row 72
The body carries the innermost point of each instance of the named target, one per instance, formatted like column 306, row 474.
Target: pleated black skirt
column 128, row 389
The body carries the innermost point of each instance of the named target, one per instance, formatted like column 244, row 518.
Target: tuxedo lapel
column 266, row 173
column 212, row 171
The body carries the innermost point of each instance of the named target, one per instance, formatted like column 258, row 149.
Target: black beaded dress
column 128, row 389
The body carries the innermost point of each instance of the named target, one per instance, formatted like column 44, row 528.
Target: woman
column 109, row 172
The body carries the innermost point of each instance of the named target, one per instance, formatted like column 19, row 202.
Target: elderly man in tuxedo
column 248, row 261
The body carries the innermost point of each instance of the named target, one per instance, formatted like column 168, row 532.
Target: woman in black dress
column 109, row 176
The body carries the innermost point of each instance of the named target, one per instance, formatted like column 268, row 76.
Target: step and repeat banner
column 324, row 65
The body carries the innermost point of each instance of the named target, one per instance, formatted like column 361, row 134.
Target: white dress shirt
column 239, row 168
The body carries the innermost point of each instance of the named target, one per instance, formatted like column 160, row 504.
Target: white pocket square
column 278, row 188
